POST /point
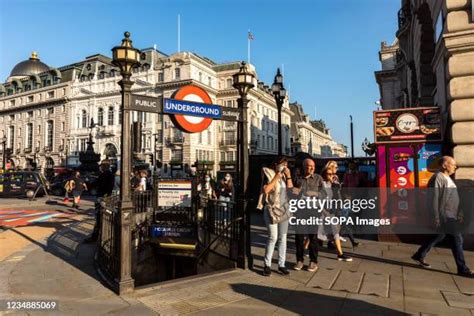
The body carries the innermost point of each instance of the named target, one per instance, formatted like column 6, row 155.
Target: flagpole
column 179, row 33
column 248, row 47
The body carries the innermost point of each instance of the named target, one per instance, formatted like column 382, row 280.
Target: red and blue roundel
column 188, row 123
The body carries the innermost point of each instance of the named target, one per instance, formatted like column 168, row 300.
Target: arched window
column 84, row 119
column 100, row 117
column 110, row 116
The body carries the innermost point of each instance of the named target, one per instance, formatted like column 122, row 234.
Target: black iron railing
column 109, row 241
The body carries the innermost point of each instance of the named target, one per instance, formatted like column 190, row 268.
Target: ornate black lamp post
column 125, row 57
column 243, row 82
column 280, row 93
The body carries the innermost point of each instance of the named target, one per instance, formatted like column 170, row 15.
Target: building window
column 161, row 76
column 29, row 135
column 63, row 126
column 11, row 136
column 177, row 74
column 50, row 110
column 100, row 117
column 83, row 144
column 110, row 116
column 12, row 102
column 229, row 83
column 84, row 119
column 112, row 73
column 263, row 142
column 101, row 75
column 30, row 113
column 31, row 98
column 209, row 81
column 50, row 94
column 49, row 140
column 209, row 137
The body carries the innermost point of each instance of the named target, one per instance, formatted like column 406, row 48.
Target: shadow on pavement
column 307, row 303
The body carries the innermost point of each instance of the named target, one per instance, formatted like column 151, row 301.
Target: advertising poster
column 407, row 125
column 174, row 193
column 402, row 182
column 427, row 158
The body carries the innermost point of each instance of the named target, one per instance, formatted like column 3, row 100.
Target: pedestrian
column 346, row 212
column 443, row 200
column 226, row 189
column 206, row 189
column 77, row 188
column 117, row 179
column 273, row 201
column 308, row 185
column 105, row 185
column 331, row 190
column 142, row 180
column 68, row 187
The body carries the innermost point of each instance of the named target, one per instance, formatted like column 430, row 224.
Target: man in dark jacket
column 308, row 185
column 443, row 200
column 105, row 185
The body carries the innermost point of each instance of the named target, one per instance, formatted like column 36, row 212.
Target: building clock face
column 407, row 123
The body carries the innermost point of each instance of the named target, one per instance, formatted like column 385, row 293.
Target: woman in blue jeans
column 276, row 182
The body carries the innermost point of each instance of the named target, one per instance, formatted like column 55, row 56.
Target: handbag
column 277, row 214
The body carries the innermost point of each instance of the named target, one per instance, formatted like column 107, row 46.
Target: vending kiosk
column 408, row 146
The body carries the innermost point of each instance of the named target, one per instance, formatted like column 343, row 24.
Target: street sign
column 184, row 115
column 230, row 114
column 172, row 106
column 145, row 103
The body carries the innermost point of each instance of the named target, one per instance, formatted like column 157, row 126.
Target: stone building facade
column 33, row 114
column 432, row 64
column 312, row 136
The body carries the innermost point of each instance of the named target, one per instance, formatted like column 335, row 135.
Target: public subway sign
column 145, row 103
column 191, row 109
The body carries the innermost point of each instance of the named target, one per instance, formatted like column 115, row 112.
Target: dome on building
column 32, row 66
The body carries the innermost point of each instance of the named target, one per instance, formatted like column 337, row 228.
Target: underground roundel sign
column 191, row 109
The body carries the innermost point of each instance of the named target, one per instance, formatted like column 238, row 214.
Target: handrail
column 226, row 228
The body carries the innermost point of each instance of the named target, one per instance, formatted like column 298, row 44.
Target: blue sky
column 329, row 48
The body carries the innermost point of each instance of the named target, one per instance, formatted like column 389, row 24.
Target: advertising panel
column 407, row 125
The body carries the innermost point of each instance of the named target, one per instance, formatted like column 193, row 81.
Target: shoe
column 355, row 244
column 267, row 271
column 298, row 266
column 342, row 239
column 421, row 262
column 468, row 274
column 90, row 239
column 313, row 266
column 283, row 270
column 343, row 257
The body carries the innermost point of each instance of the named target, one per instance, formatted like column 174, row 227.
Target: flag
column 250, row 36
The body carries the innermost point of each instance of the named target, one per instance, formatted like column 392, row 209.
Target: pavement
column 381, row 280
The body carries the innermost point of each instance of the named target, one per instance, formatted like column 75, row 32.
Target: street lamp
column 125, row 57
column 243, row 82
column 3, row 140
column 280, row 93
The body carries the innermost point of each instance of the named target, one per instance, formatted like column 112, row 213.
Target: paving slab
column 465, row 285
column 456, row 299
column 324, row 278
column 430, row 306
column 348, row 281
column 375, row 284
